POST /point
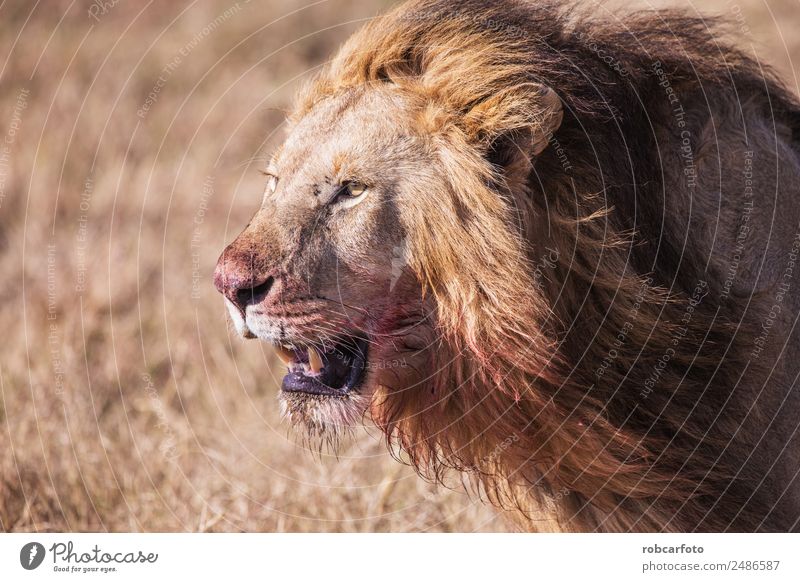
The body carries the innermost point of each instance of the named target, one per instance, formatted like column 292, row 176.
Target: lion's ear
column 510, row 153
column 516, row 123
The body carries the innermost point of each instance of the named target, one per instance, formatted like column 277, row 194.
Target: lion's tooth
column 314, row 360
column 286, row 355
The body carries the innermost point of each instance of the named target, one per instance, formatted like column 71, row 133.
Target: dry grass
column 126, row 403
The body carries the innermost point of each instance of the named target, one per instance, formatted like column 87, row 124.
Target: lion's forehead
column 355, row 126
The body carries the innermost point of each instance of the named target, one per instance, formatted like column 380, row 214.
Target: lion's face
column 321, row 272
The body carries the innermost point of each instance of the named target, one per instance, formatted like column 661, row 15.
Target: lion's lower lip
column 342, row 371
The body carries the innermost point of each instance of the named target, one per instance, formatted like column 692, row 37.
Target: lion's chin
column 324, row 392
column 322, row 416
column 327, row 393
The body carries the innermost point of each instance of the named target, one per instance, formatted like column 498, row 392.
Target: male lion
column 557, row 253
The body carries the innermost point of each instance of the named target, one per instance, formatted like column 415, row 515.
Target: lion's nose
column 240, row 283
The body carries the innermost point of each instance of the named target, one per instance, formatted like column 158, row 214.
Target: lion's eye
column 355, row 189
column 350, row 194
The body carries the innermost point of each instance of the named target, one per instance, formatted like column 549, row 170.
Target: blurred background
column 131, row 135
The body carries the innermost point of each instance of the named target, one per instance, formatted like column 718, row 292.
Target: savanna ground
column 130, row 142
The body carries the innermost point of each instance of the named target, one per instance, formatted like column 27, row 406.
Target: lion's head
column 487, row 268
column 390, row 237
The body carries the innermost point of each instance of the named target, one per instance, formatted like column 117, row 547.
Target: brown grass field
column 131, row 142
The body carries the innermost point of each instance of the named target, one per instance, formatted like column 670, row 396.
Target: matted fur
column 616, row 389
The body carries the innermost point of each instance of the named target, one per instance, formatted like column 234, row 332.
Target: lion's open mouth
column 334, row 370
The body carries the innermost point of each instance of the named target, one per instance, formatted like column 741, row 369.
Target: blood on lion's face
column 323, row 271
column 484, row 238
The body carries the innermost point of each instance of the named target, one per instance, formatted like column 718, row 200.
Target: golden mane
column 539, row 387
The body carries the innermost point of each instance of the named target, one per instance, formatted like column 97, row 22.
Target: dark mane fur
column 565, row 404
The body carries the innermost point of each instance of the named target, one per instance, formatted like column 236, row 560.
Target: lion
column 553, row 252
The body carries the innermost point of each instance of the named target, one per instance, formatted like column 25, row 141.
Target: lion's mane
column 539, row 385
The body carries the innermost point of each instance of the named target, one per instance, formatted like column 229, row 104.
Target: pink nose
column 238, row 280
